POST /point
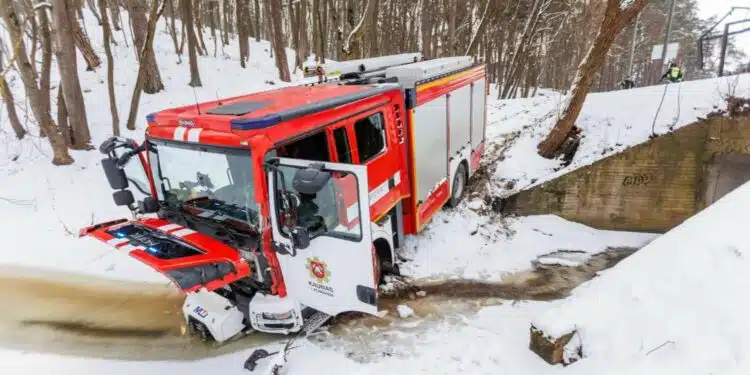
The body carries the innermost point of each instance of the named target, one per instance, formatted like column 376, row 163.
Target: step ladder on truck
column 277, row 208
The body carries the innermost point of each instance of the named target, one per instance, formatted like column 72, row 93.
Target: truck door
column 335, row 272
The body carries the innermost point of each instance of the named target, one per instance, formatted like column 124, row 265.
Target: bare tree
column 277, row 39
column 212, row 6
column 152, row 81
column 46, row 41
column 71, row 87
column 187, row 20
column 199, row 26
column 110, row 69
column 61, row 156
column 10, row 104
column 157, row 8
column 243, row 18
column 114, row 11
column 615, row 19
column 82, row 42
column 258, row 28
column 173, row 30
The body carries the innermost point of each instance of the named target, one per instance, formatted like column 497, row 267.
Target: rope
column 679, row 87
column 653, row 124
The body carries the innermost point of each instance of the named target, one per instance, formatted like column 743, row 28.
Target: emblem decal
column 318, row 270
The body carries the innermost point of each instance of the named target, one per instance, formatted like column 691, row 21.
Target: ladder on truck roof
column 406, row 69
column 359, row 69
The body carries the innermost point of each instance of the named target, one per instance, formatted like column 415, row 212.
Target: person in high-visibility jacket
column 673, row 74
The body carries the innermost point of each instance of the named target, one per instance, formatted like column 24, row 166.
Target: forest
column 526, row 45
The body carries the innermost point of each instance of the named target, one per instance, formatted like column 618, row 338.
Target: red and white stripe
column 184, row 134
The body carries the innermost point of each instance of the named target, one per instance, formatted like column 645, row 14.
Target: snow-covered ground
column 42, row 207
column 676, row 306
column 611, row 122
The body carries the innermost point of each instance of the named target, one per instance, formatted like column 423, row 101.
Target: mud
column 86, row 316
column 71, row 314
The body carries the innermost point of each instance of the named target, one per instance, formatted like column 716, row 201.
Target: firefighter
column 673, row 74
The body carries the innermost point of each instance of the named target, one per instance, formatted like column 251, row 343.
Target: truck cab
column 279, row 207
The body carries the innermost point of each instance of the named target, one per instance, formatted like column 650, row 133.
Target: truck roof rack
column 409, row 75
column 362, row 71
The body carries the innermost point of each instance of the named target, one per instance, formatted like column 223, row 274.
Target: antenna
column 217, row 97
column 197, row 106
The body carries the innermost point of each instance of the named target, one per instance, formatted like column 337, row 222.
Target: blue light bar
column 151, row 117
column 256, row 123
column 119, row 234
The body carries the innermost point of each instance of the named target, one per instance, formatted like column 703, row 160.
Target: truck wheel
column 203, row 332
column 459, row 186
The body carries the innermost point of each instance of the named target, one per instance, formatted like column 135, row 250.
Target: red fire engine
column 276, row 210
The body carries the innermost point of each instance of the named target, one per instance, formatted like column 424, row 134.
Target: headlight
column 280, row 316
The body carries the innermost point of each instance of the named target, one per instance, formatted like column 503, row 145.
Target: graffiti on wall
column 639, row 179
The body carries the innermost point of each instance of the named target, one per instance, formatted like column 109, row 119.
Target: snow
column 683, row 294
column 404, row 311
column 42, row 207
column 611, row 122
column 447, row 250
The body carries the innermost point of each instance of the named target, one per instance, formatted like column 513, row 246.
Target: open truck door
column 325, row 253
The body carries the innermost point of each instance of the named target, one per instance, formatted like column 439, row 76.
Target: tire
column 377, row 265
column 459, row 185
column 203, row 332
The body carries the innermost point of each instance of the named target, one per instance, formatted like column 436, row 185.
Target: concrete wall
column 650, row 187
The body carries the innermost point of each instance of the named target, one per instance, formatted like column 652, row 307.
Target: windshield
column 209, row 182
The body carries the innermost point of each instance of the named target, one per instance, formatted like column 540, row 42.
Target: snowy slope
column 41, row 205
column 684, row 294
column 611, row 122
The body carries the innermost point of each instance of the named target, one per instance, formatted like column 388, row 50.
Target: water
column 69, row 314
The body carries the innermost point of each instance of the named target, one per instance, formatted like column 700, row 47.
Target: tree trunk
column 92, row 7
column 258, row 28
column 156, row 12
column 243, row 17
column 10, row 104
column 304, row 42
column 173, row 31
column 61, row 156
column 152, row 81
column 29, row 9
column 225, row 13
column 187, row 19
column 46, row 39
column 110, row 69
column 114, row 11
column 212, row 23
column 277, row 39
column 71, row 87
column 82, row 43
column 62, row 117
column 615, row 19
column 199, row 27
column 372, row 29
column 293, row 23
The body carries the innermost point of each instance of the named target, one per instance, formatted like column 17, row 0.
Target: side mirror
column 116, row 176
column 311, row 179
column 148, row 205
column 301, row 238
column 123, row 198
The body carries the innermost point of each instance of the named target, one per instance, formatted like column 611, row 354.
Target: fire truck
column 277, row 210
